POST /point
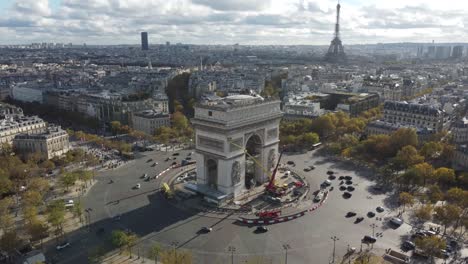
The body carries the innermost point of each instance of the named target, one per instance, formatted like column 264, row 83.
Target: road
column 146, row 213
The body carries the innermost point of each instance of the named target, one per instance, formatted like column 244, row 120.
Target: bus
column 316, row 145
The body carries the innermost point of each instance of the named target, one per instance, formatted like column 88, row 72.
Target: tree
column 406, row 157
column 445, row 176
column 175, row 256
column 155, row 252
column 456, row 195
column 130, row 242
column 406, row 199
column 6, row 185
column 9, row 241
column 37, row 230
column 119, row 239
column 56, row 215
column 423, row 213
column 32, row 198
column 447, row 215
column 324, row 125
column 78, row 211
column 47, row 165
column 39, row 184
column 179, row 121
column 403, row 137
column 30, row 214
column 115, row 127
column 6, row 219
column 424, row 171
column 68, row 179
column 310, row 138
column 434, row 194
column 431, row 150
column 430, row 245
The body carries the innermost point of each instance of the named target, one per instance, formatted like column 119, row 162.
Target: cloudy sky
column 231, row 21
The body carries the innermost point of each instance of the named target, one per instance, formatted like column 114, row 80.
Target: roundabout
column 155, row 219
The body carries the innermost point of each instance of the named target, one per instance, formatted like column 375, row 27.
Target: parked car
column 359, row 219
column 138, row 186
column 206, row 229
column 380, row 209
column 330, row 172
column 261, row 229
column 408, row 245
column 370, row 214
column 396, row 221
column 326, row 183
column 369, row 239
column 350, row 214
column 318, row 197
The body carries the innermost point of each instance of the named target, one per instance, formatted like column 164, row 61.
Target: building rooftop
column 150, row 114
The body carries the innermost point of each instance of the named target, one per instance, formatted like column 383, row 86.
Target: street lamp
column 286, row 247
column 334, row 238
column 232, row 249
column 373, row 228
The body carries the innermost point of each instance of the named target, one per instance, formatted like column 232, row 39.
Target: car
column 175, row 154
column 369, row 239
column 69, row 204
column 312, row 167
column 396, row 221
column 206, row 229
column 326, row 183
column 419, row 234
column 307, row 169
column 349, row 182
column 117, row 217
column 290, row 162
column 341, row 178
column 350, row 214
column 380, row 209
column 332, row 177
column 147, row 179
column 444, row 254
column 359, row 219
column 174, row 163
column 145, row 176
column 348, row 178
column 138, row 186
column 167, row 159
column 408, row 245
column 63, row 245
column 370, row 214
column 342, row 188
column 149, row 160
column 174, row 158
column 188, row 158
column 347, row 195
column 261, row 229
column 330, row 172
column 350, row 188
column 318, row 197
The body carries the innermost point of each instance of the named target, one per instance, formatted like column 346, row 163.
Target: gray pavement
column 146, row 213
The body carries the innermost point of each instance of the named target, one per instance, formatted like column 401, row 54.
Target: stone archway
column 253, row 172
column 212, row 173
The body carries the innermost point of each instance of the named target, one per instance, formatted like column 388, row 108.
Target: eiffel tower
column 336, row 52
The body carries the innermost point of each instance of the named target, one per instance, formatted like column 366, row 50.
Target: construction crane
column 271, row 187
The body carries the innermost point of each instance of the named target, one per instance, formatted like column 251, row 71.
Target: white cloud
column 234, row 21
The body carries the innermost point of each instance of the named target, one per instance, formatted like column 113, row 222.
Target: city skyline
column 255, row 22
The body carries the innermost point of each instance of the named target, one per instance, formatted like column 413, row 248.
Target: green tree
column 39, row 184
column 406, row 199
column 424, row 171
column 456, row 196
column 56, row 215
column 434, row 194
column 310, row 138
column 431, row 245
column 406, row 157
column 131, row 242
column 31, row 198
column 6, row 218
column 37, row 230
column 179, row 121
column 68, row 179
column 78, row 210
column 155, row 252
column 423, row 213
column 9, row 241
column 403, row 137
column 30, row 214
column 116, row 127
column 431, row 150
column 6, row 185
column 119, row 239
column 447, row 215
column 175, row 256
column 445, row 176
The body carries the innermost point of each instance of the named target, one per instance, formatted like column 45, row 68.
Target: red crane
column 271, row 184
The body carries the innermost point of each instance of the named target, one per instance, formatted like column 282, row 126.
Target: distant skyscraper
column 144, row 40
column 335, row 51
column 457, row 52
column 420, row 51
